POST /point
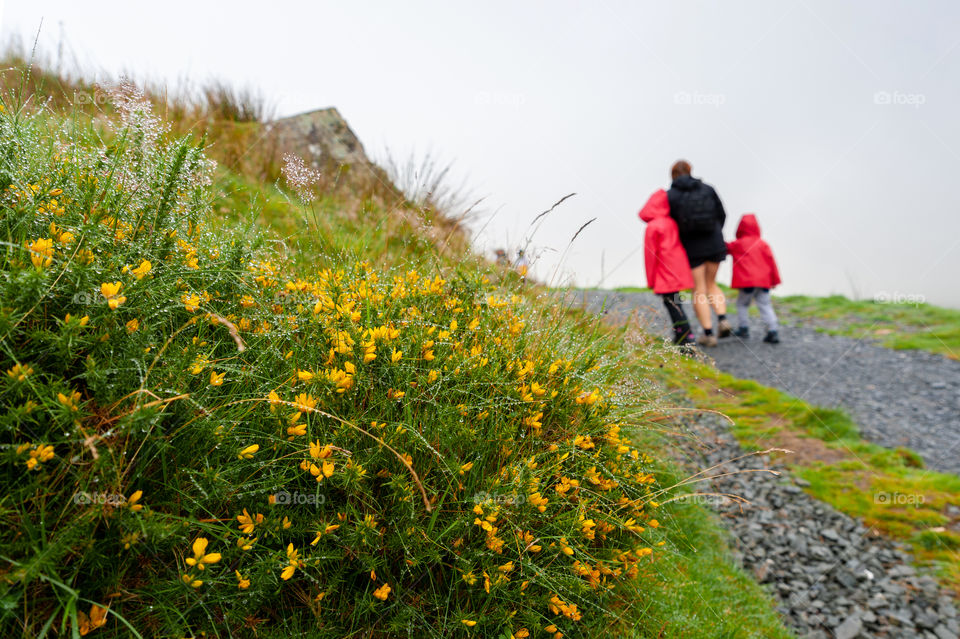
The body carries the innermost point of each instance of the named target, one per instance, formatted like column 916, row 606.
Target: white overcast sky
column 835, row 122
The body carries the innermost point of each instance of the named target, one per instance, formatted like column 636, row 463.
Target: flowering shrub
column 198, row 437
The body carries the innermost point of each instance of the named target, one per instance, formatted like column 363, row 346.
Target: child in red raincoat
column 668, row 271
column 754, row 274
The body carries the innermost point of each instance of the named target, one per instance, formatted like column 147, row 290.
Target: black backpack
column 696, row 210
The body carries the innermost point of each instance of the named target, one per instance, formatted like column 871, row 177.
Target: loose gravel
column 897, row 398
column 832, row 577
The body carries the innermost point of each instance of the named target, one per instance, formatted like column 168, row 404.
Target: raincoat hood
column 656, row 206
column 753, row 263
column 748, row 226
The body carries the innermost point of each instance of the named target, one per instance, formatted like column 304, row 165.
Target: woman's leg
column 717, row 299
column 701, row 301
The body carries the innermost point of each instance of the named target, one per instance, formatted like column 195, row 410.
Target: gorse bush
column 199, row 437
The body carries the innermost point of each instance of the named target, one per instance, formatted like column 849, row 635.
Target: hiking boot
column 707, row 340
column 724, row 329
column 743, row 332
column 772, row 338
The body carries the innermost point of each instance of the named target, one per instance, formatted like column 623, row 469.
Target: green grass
column 895, row 325
column 700, row 591
column 889, row 489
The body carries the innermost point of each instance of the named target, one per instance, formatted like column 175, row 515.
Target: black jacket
column 700, row 244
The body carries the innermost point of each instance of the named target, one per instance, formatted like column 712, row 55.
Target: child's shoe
column 724, row 328
column 772, row 338
column 743, row 332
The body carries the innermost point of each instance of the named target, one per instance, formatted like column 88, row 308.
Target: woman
column 699, row 214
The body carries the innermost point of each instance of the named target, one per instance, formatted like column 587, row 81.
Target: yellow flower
column 41, row 252
column 589, row 398
column 396, row 356
column 20, row 372
column 70, row 401
column 133, row 499
column 246, row 301
column 369, row 350
column 133, row 325
column 326, row 469
column 465, row 467
column 129, row 539
column 382, row 592
column 200, row 557
column 245, row 543
column 242, row 582
column 97, row 619
column 304, row 376
column 536, row 499
column 111, row 292
column 305, row 402
column 274, row 399
column 197, row 367
column 190, row 302
column 216, row 379
column 190, row 581
column 318, row 452
column 141, row 271
column 248, row 452
column 83, row 321
column 292, row 557
column 468, row 622
column 297, row 430
column 248, row 522
column 39, row 454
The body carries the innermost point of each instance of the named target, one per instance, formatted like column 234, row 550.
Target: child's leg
column 765, row 305
column 681, row 327
column 743, row 306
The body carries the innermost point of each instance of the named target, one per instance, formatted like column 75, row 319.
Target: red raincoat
column 668, row 270
column 753, row 263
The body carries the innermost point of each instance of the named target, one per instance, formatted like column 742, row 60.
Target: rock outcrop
column 325, row 141
column 320, row 137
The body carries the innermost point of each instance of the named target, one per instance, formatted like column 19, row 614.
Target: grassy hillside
column 894, row 324
column 233, row 408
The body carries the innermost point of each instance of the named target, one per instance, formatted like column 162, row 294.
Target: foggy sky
column 834, row 122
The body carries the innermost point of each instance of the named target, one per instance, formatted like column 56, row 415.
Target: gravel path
column 898, row 398
column 832, row 577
